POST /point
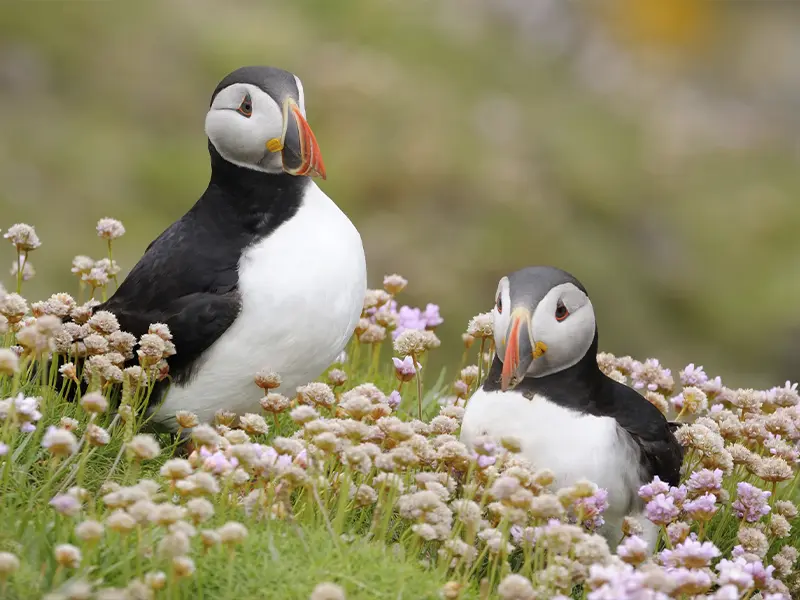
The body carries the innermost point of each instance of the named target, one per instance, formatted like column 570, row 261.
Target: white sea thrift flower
column 183, row 566
column 174, row 544
column 23, row 237
column 143, row 447
column 232, row 533
column 481, row 326
column 327, row 591
column 59, row 442
column 254, row 424
column 110, row 229
column 9, row 362
column 316, row 393
column 94, row 402
column 9, row 563
column 414, row 342
column 89, row 531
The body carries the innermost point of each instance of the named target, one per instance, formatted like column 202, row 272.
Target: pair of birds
column 265, row 271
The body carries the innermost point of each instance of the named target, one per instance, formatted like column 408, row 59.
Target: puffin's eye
column 246, row 107
column 499, row 304
column 561, row 311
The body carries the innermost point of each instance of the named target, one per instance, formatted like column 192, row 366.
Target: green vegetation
column 359, row 483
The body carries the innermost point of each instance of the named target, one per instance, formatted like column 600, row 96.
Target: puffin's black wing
column 187, row 279
column 662, row 455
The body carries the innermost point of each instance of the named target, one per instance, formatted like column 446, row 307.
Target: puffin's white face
column 538, row 334
column 250, row 129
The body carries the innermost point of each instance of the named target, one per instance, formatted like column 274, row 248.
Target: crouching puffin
column 545, row 388
column 263, row 272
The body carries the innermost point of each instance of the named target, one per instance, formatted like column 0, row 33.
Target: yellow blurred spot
column 274, row 145
column 539, row 349
column 670, row 23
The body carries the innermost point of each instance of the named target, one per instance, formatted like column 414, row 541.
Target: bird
column 546, row 388
column 264, row 271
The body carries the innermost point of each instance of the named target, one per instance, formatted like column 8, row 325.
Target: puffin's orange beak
column 520, row 349
column 298, row 146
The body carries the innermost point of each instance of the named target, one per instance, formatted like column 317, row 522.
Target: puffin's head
column 543, row 323
column 257, row 120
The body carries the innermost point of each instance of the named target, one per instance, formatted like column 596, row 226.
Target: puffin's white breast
column 572, row 444
column 302, row 290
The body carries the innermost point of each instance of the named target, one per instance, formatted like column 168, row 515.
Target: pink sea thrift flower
column 751, row 502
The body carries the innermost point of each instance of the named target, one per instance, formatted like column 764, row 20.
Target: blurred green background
column 648, row 146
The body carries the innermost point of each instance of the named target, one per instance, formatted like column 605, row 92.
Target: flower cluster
column 342, row 454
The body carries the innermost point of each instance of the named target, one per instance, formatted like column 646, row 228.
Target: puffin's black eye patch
column 246, row 107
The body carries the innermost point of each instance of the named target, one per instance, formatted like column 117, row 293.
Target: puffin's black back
column 188, row 276
column 585, row 388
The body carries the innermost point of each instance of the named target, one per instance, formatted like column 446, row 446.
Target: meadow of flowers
column 356, row 485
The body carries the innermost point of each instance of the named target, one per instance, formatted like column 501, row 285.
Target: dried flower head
column 394, row 284
column 468, row 340
column 337, row 377
column 68, row 556
column 186, row 419
column 267, row 380
column 183, row 566
column 254, row 424
column 316, row 393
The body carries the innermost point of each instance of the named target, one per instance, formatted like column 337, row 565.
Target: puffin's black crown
column 545, row 277
column 276, row 82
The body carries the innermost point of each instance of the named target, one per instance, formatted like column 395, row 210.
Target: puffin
column 545, row 388
column 264, row 271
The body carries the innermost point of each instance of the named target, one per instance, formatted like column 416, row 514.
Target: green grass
column 279, row 560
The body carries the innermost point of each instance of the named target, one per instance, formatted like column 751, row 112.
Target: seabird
column 545, row 388
column 263, row 272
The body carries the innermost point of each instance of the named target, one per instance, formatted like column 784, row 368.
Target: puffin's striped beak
column 298, row 146
column 520, row 349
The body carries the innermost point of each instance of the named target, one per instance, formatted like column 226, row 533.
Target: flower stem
column 480, row 364
column 419, row 387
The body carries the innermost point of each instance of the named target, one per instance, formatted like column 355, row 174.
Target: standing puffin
column 263, row 272
column 546, row 388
